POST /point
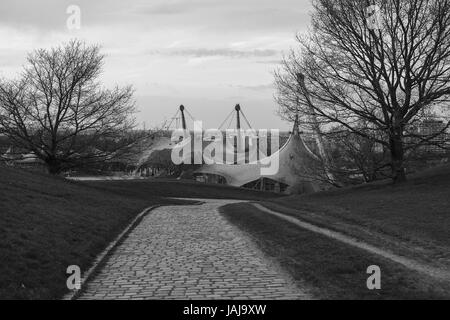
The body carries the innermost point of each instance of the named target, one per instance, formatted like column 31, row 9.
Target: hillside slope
column 47, row 224
column 411, row 218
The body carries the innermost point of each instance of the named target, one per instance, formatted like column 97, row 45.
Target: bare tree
column 59, row 110
column 355, row 158
column 384, row 70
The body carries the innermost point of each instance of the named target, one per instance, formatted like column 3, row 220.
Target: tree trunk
column 53, row 166
column 397, row 157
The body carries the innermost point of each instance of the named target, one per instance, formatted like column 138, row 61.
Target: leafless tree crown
column 388, row 75
column 59, row 110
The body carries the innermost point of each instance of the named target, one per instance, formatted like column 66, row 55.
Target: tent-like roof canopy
column 297, row 164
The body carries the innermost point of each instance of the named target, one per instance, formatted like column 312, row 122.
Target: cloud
column 262, row 87
column 166, row 8
column 174, row 48
column 220, row 52
column 271, row 62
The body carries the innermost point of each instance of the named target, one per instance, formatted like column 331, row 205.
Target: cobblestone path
column 189, row 252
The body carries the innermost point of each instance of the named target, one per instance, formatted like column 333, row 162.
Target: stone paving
column 189, row 252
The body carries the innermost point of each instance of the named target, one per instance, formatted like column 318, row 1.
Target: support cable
column 226, row 119
column 246, row 120
column 173, row 119
column 231, row 120
column 189, row 114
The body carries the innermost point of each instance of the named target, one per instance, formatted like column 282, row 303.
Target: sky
column 205, row 54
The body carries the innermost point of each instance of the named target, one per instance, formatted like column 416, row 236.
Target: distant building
column 437, row 128
column 21, row 158
column 296, row 172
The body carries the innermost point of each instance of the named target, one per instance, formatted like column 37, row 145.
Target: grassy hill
column 48, row 223
column 179, row 189
column 414, row 216
column 411, row 220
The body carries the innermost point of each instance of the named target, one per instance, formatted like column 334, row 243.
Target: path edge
column 100, row 260
column 409, row 263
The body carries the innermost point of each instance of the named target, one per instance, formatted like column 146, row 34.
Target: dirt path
column 408, row 263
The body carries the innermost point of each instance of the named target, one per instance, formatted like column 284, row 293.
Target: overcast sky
column 206, row 54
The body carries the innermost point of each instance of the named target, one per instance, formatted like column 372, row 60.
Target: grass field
column 48, row 223
column 326, row 268
column 179, row 189
column 412, row 219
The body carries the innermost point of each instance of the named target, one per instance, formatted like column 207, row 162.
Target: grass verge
column 48, row 224
column 412, row 219
column 330, row 269
column 179, row 189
